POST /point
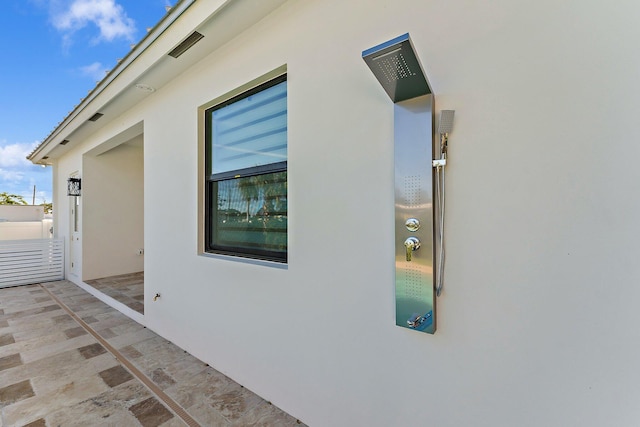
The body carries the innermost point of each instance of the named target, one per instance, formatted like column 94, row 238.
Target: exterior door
column 75, row 246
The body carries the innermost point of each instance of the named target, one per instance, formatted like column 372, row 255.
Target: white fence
column 24, row 262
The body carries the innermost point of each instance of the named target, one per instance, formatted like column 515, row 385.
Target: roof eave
column 36, row 156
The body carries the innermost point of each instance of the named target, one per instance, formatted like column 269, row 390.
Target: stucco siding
column 537, row 321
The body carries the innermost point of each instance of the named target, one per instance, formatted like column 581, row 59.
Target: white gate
column 24, row 262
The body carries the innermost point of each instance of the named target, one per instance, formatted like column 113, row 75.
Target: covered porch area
column 108, row 251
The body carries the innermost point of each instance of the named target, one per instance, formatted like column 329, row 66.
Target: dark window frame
column 212, row 180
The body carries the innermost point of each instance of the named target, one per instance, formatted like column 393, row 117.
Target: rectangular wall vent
column 64, row 142
column 95, row 117
column 194, row 38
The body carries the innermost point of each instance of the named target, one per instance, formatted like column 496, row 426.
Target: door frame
column 75, row 232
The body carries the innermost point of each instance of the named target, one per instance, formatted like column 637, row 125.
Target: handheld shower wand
column 445, row 126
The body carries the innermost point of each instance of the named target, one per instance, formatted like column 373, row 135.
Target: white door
column 75, row 247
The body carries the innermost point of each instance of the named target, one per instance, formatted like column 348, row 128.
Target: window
column 246, row 174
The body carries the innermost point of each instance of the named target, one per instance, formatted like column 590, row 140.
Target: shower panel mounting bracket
column 397, row 68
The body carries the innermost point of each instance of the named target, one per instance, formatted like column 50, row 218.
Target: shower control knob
column 412, row 244
column 412, row 224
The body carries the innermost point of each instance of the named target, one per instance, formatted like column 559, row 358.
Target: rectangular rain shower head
column 396, row 66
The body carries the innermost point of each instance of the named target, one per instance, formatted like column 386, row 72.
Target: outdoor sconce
column 397, row 68
column 73, row 186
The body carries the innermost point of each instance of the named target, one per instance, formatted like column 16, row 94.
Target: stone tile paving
column 54, row 373
column 126, row 288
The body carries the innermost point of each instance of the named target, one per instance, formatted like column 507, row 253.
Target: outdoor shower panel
column 398, row 70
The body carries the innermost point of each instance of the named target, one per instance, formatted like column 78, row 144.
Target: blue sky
column 54, row 52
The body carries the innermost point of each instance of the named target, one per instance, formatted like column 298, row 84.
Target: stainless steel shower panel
column 397, row 67
column 413, row 134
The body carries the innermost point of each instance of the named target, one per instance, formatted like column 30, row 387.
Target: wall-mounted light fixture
column 73, row 186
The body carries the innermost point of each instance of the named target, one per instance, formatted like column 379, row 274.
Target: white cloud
column 12, row 176
column 96, row 71
column 15, row 155
column 18, row 175
column 107, row 15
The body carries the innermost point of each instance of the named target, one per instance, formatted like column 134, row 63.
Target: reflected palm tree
column 249, row 189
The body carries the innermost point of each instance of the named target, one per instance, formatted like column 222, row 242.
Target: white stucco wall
column 19, row 230
column 113, row 211
column 24, row 222
column 537, row 324
column 21, row 213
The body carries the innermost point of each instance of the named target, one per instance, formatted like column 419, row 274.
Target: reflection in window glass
column 251, row 131
column 251, row 214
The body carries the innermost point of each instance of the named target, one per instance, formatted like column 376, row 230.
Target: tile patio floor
column 79, row 367
column 126, row 288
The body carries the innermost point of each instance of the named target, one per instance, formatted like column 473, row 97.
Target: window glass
column 246, row 206
column 251, row 131
column 251, row 214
